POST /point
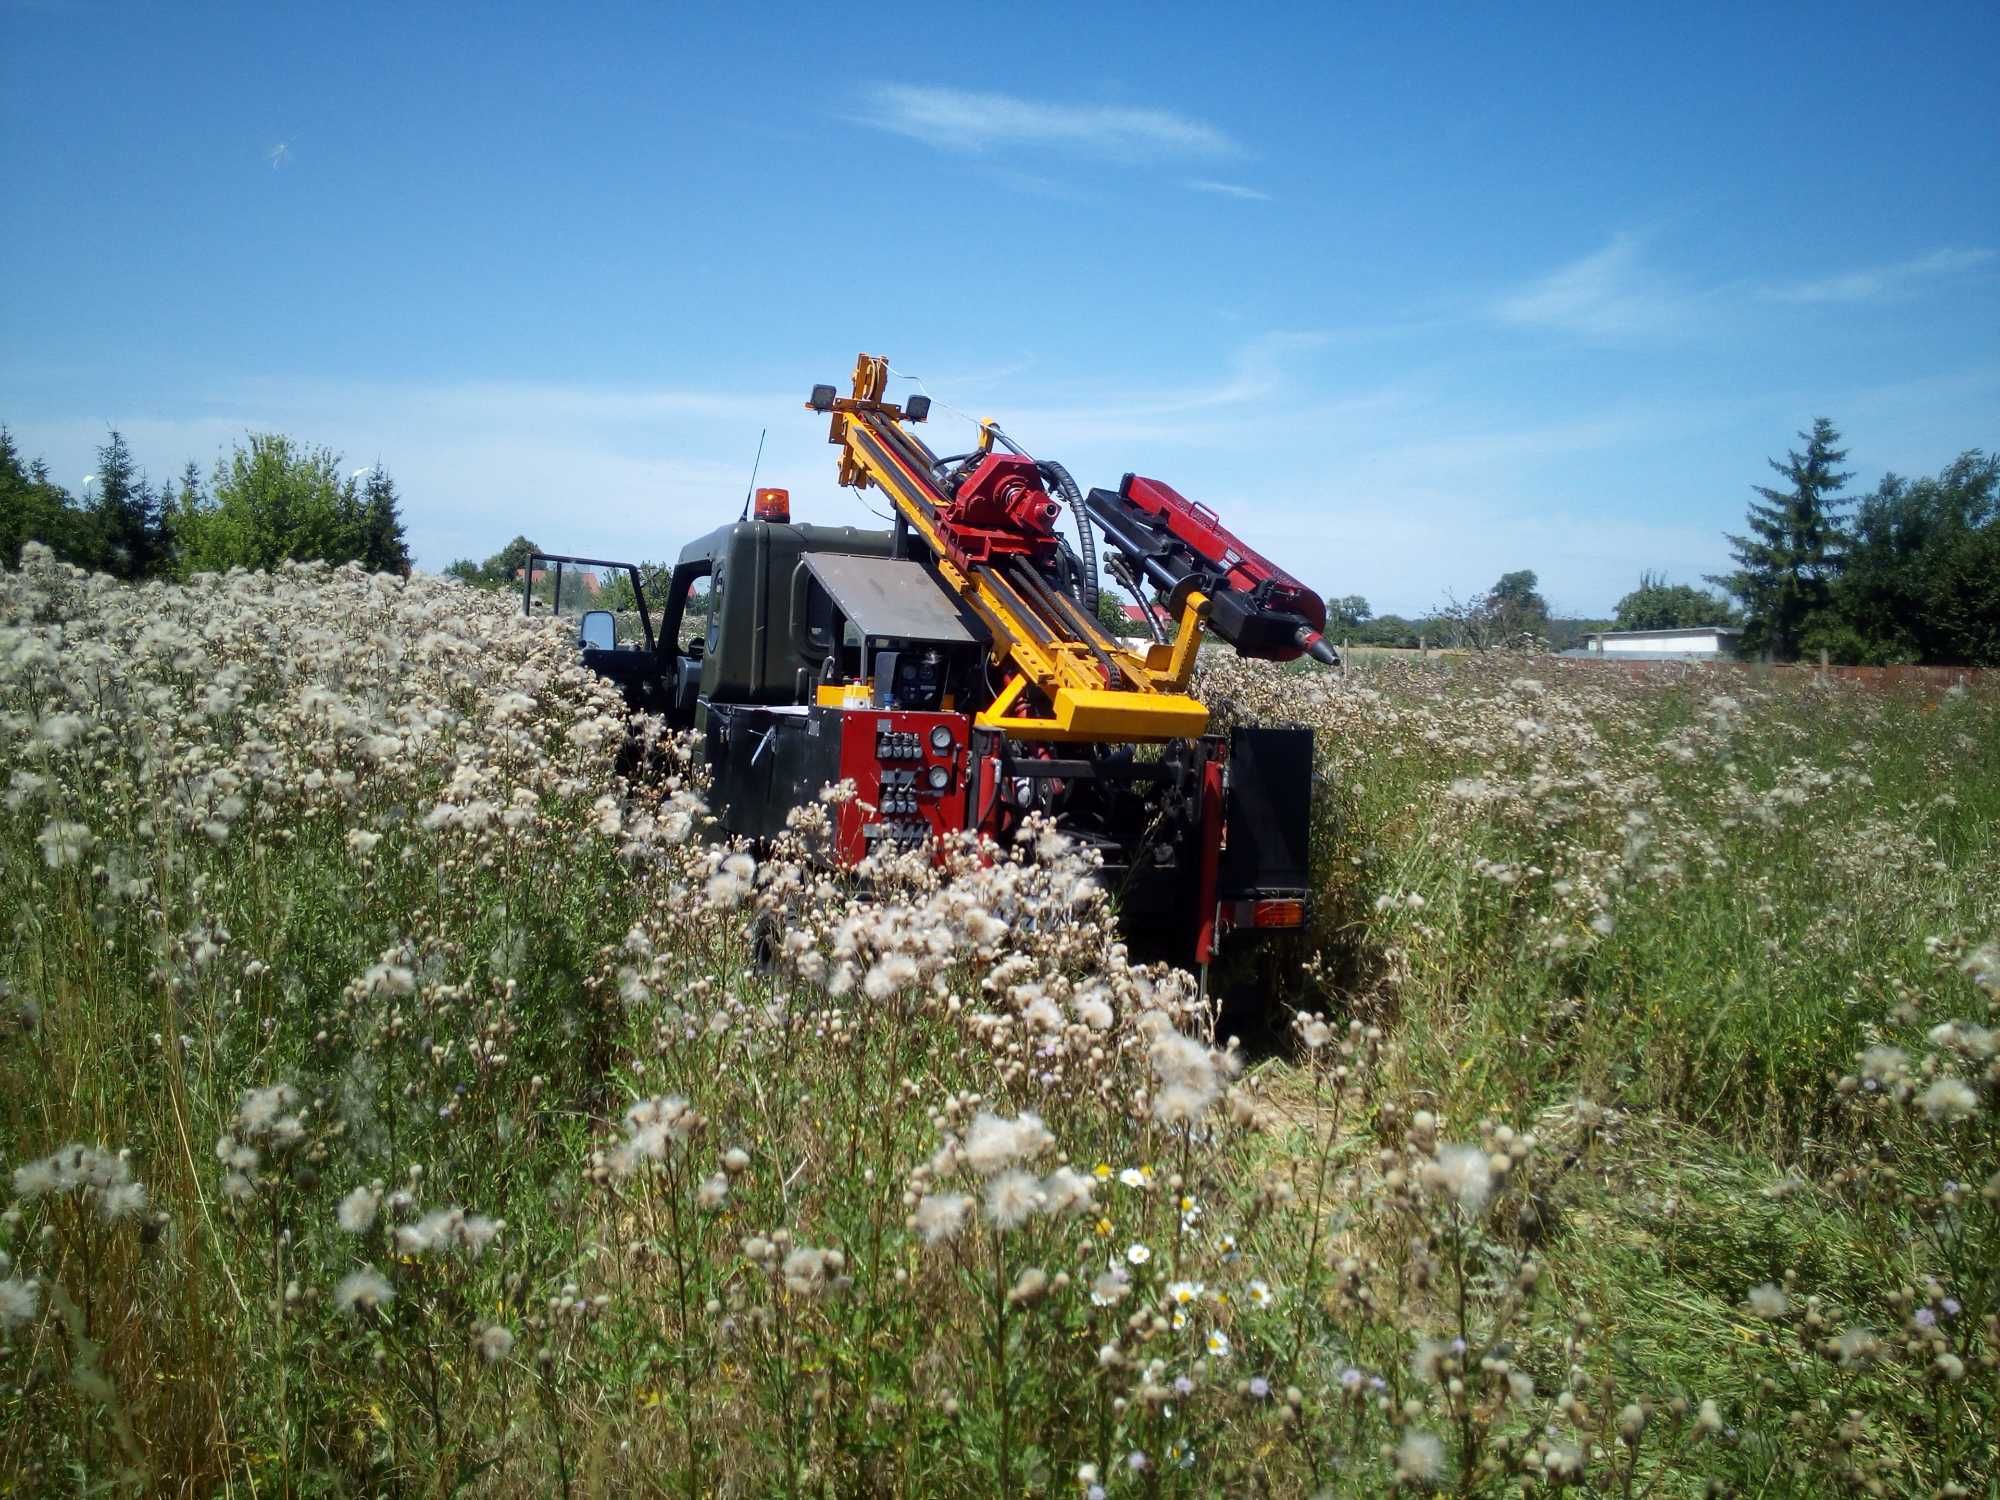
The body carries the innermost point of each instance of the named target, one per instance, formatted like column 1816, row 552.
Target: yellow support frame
column 1151, row 703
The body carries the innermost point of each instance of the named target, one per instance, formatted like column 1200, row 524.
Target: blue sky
column 1413, row 295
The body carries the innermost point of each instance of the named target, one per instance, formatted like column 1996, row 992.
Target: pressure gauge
column 940, row 737
column 939, row 778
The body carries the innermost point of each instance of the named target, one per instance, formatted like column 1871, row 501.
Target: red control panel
column 908, row 768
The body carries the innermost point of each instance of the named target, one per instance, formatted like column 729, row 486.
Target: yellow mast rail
column 1092, row 687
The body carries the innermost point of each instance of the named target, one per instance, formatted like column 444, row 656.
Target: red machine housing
column 999, row 510
column 1242, row 568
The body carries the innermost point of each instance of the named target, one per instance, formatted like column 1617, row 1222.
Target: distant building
column 585, row 579
column 1690, row 643
column 1135, row 614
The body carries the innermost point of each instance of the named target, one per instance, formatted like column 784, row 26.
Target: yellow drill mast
column 1067, row 678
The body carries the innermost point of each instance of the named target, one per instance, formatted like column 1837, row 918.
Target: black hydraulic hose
column 1121, row 570
column 1056, row 475
column 1068, row 569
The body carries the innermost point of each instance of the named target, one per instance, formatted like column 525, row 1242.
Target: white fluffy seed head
column 941, row 1216
column 356, row 1214
column 1420, row 1459
column 1465, row 1173
column 364, row 1291
column 1768, row 1300
column 19, row 1301
column 1948, row 1100
column 1012, row 1199
column 994, row 1143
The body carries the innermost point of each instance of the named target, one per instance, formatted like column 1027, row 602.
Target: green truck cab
column 742, row 620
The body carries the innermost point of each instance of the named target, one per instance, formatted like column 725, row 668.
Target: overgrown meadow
column 395, row 1099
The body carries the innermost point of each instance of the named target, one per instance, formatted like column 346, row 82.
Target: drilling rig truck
column 952, row 666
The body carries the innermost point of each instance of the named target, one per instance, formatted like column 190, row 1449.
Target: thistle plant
column 404, row 1089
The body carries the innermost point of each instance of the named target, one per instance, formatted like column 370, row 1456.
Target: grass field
column 389, row 1104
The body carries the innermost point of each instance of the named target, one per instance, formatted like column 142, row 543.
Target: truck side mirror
column 598, row 629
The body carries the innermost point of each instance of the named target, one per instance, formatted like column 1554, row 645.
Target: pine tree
column 34, row 508
column 23, row 517
column 383, row 548
column 130, row 528
column 180, row 513
column 1785, row 566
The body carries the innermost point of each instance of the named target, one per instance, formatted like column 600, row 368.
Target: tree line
column 271, row 499
column 1512, row 614
column 1907, row 573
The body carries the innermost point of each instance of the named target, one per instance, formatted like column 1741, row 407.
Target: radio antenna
column 756, row 464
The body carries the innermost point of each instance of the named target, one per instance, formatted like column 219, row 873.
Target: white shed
column 1691, row 643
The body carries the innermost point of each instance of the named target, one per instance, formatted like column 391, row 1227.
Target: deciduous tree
column 1921, row 580
column 1517, row 608
column 1347, row 612
column 1511, row 613
column 1658, row 605
column 276, row 500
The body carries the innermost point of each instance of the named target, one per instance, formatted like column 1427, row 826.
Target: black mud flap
column 1268, row 814
column 1264, row 883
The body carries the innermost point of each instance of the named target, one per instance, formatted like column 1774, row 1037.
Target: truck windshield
column 570, row 588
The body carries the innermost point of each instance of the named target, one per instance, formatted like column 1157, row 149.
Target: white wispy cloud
column 963, row 120
column 1251, row 384
column 1228, row 189
column 1611, row 294
column 1882, row 281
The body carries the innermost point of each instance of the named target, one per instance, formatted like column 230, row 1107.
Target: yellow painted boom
column 1071, row 680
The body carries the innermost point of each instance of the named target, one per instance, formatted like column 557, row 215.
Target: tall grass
column 399, row 1101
